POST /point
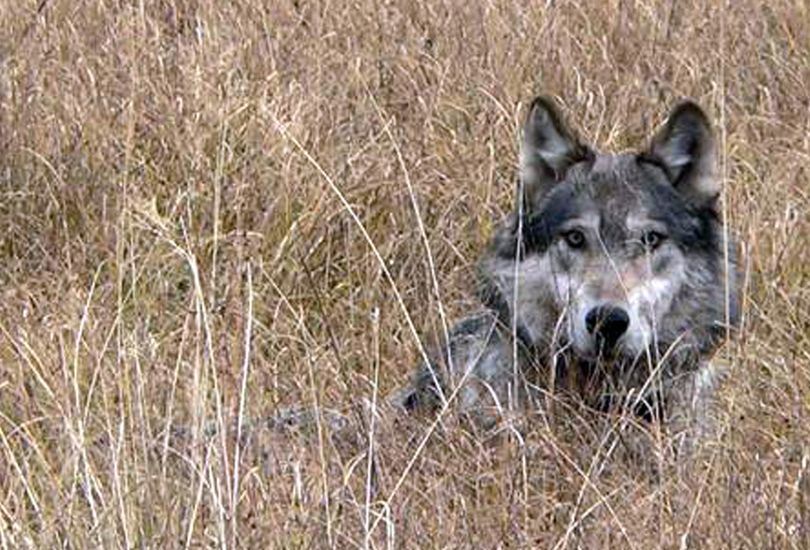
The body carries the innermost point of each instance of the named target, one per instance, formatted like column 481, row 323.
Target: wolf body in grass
column 611, row 282
column 610, row 286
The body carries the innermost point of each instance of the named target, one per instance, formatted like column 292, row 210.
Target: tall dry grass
column 210, row 210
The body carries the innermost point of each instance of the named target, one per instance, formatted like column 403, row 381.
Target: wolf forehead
column 621, row 195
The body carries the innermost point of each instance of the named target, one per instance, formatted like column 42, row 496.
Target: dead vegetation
column 210, row 210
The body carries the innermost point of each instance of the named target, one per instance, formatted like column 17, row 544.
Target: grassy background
column 184, row 191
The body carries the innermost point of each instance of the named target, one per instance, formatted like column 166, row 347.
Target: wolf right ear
column 684, row 149
column 549, row 148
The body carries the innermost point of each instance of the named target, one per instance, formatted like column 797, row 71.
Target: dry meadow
column 213, row 210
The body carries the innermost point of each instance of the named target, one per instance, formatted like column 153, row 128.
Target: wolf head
column 615, row 256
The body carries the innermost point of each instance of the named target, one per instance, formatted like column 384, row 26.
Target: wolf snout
column 607, row 324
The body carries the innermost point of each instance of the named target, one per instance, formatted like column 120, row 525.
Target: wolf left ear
column 549, row 148
column 684, row 149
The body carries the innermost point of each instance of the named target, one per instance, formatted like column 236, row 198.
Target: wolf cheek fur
column 611, row 277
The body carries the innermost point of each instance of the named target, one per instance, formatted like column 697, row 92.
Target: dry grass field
column 211, row 210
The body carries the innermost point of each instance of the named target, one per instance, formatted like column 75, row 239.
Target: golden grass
column 184, row 188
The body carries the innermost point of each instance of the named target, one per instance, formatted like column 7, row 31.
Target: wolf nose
column 607, row 324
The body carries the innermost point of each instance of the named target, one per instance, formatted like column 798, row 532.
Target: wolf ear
column 684, row 149
column 549, row 148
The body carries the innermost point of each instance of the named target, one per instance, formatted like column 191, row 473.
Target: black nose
column 607, row 324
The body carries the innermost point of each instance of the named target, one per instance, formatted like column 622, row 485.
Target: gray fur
column 673, row 288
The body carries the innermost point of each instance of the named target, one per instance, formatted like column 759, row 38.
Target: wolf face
column 614, row 257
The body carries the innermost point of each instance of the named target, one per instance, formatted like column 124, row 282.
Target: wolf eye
column 652, row 239
column 574, row 238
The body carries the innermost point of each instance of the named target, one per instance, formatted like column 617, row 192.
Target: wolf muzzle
column 607, row 324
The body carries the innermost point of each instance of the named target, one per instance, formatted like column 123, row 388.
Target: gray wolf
column 610, row 282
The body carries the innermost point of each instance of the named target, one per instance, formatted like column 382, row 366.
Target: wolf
column 612, row 282
column 609, row 286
